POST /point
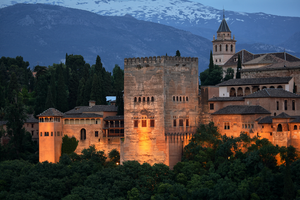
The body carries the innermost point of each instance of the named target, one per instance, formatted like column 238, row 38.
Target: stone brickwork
column 160, row 97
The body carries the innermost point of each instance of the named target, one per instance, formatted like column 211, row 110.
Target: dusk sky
column 275, row 7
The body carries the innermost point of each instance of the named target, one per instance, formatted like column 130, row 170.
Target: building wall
column 33, row 129
column 50, row 146
column 173, row 83
column 295, row 73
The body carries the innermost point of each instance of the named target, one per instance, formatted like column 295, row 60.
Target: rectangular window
column 96, row 133
column 51, row 133
column 32, row 125
column 181, row 122
column 144, row 123
column 187, row 122
column 152, row 123
column 174, row 122
column 41, row 134
column 57, row 133
column 277, row 105
column 211, row 106
column 226, row 126
column 242, row 125
column 136, row 123
column 285, row 104
column 32, row 132
column 293, row 104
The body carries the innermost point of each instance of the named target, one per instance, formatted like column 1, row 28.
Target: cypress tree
column 177, row 53
column 118, row 79
column 211, row 63
column 98, row 66
column 80, row 96
column 96, row 90
column 120, row 103
column 87, row 92
column 13, row 87
column 49, row 100
column 239, row 67
column 61, row 93
column 41, row 95
column 53, row 88
column 73, row 90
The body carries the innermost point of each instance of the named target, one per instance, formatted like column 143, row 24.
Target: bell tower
column 224, row 45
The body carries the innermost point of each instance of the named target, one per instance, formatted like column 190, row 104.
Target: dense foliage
column 212, row 167
column 213, row 75
column 62, row 86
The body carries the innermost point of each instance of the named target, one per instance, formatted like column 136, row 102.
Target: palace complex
column 163, row 106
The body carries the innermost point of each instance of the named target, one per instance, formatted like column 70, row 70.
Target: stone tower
column 160, row 100
column 223, row 46
column 50, row 135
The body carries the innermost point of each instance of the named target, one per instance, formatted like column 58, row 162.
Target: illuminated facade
column 160, row 108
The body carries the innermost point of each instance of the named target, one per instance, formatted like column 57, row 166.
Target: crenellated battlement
column 158, row 60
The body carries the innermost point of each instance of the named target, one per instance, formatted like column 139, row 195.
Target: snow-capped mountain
column 191, row 16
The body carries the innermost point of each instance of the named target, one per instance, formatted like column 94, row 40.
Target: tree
column 114, row 156
column 98, row 66
column 213, row 75
column 120, row 103
column 61, row 92
column 13, row 88
column 73, row 90
column 118, row 79
column 80, row 94
column 239, row 67
column 49, row 100
column 229, row 74
column 69, row 145
column 177, row 53
column 96, row 92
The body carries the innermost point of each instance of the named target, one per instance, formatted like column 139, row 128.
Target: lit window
column 226, row 126
column 136, row 123
column 144, row 123
column 152, row 123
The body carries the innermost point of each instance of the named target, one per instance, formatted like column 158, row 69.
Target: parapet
column 158, row 60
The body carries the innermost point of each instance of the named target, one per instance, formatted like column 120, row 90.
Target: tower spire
column 223, row 13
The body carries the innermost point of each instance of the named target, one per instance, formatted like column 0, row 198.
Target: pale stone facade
column 160, row 99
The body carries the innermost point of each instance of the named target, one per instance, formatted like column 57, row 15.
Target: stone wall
column 159, row 89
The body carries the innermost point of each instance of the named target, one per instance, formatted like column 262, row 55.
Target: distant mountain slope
column 43, row 34
column 191, row 16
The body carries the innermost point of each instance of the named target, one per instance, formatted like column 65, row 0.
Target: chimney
column 92, row 103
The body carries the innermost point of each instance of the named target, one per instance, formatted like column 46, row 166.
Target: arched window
column 279, row 128
column 83, row 134
column 279, row 87
column 264, row 87
column 186, row 98
column 220, row 47
column 247, row 91
column 148, row 99
column 173, row 98
column 231, row 48
column 144, row 99
column 295, row 127
column 216, row 48
column 272, row 87
column 140, row 99
column 240, row 92
column 179, row 98
column 232, row 92
column 226, row 47
column 152, row 98
column 134, row 99
column 176, row 98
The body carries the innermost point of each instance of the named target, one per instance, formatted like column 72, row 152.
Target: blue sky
column 275, row 7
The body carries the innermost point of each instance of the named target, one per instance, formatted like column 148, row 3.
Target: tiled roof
column 276, row 66
column 31, row 119
column 95, row 108
column 51, row 112
column 264, row 59
column 283, row 115
column 272, row 92
column 266, row 120
column 82, row 115
column 226, row 99
column 256, row 81
column 223, row 27
column 241, row 110
column 245, row 56
column 118, row 117
column 296, row 120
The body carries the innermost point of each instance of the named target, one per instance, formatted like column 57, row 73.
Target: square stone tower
column 160, row 99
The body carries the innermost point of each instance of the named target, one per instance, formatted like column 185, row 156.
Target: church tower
column 223, row 46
